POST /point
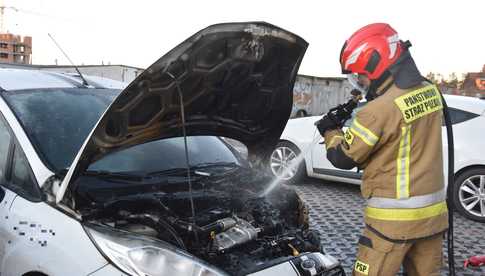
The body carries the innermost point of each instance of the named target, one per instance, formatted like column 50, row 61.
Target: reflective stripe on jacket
column 397, row 139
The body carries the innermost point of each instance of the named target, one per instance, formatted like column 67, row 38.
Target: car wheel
column 283, row 164
column 469, row 194
column 301, row 113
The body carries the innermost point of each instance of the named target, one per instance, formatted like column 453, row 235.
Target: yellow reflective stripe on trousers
column 411, row 202
column 407, row 214
column 402, row 176
column 363, row 133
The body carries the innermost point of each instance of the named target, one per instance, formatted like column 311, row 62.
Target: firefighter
column 396, row 138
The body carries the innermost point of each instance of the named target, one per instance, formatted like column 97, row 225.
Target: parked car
column 468, row 118
column 96, row 180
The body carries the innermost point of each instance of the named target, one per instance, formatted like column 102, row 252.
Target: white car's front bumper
column 311, row 264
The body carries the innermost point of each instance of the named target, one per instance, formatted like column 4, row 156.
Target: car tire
column 280, row 159
column 469, row 194
column 301, row 113
column 35, row 274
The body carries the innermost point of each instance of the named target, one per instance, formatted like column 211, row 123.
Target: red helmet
column 371, row 50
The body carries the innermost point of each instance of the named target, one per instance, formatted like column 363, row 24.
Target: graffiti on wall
column 302, row 94
column 315, row 96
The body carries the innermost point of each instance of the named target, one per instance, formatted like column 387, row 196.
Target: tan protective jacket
column 396, row 139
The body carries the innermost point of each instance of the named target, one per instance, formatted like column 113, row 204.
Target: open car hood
column 236, row 81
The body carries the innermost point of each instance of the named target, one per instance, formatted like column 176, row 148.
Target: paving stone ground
column 336, row 212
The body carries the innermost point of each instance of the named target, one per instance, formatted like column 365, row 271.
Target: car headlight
column 139, row 255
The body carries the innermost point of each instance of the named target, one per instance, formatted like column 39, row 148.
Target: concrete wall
column 316, row 95
column 116, row 72
column 312, row 95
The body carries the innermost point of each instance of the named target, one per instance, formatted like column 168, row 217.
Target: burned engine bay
column 235, row 228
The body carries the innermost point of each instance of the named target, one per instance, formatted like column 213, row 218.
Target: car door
column 466, row 140
column 17, row 184
column 6, row 196
column 39, row 237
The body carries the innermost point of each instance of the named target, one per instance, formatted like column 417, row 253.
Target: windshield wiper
column 117, row 175
column 194, row 169
column 216, row 164
column 170, row 172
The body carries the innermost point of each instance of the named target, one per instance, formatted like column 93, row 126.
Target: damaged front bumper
column 139, row 255
column 301, row 265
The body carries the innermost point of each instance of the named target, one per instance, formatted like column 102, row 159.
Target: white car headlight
column 139, row 255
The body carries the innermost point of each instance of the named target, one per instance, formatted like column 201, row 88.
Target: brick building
column 474, row 84
column 15, row 49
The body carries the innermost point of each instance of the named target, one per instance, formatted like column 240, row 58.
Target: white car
column 99, row 181
column 468, row 118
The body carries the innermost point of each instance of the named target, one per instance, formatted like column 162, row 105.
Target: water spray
column 291, row 166
column 339, row 115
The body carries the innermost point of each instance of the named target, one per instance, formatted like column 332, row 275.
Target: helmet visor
column 357, row 82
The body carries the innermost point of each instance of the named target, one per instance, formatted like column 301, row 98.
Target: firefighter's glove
column 336, row 117
column 328, row 122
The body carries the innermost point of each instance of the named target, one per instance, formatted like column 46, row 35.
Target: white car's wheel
column 301, row 113
column 286, row 163
column 469, row 194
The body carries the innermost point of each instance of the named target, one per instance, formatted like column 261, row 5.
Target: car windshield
column 167, row 154
column 58, row 120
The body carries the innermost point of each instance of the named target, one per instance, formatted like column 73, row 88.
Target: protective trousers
column 380, row 257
